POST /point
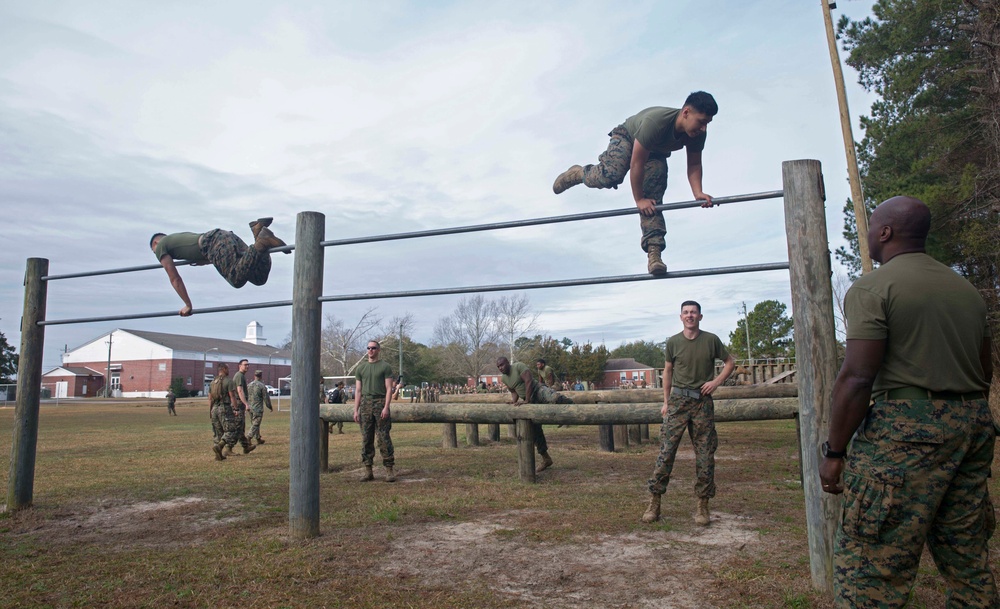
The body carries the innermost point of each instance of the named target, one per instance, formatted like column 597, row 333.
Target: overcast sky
column 120, row 119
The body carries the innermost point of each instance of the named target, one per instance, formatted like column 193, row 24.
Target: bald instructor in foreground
column 910, row 427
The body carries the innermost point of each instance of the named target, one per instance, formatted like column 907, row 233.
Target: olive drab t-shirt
column 227, row 386
column 694, row 360
column 933, row 320
column 654, row 128
column 546, row 376
column 240, row 380
column 514, row 381
column 180, row 246
column 372, row 376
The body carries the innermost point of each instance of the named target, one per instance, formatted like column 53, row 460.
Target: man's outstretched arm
column 178, row 284
column 694, row 172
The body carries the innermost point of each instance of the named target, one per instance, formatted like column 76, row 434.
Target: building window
column 163, row 367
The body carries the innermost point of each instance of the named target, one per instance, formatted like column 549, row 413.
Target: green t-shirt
column 227, row 386
column 933, row 320
column 372, row 376
column 180, row 246
column 240, row 380
column 514, row 381
column 546, row 376
column 654, row 128
column 694, row 360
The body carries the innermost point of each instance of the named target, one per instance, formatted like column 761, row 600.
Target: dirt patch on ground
column 183, row 521
column 641, row 569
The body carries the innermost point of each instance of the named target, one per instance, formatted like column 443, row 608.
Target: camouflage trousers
column 698, row 417
column 372, row 425
column 236, row 262
column 256, row 416
column 613, row 164
column 235, row 426
column 218, row 417
column 545, row 395
column 916, row 473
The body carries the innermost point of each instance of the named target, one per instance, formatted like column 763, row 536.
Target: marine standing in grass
column 338, row 396
column 689, row 380
column 240, row 406
column 236, row 262
column 220, row 405
column 372, row 397
column 171, row 401
column 525, row 389
column 640, row 147
column 913, row 394
column 257, row 392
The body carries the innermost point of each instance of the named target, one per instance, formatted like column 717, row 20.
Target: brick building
column 143, row 364
column 626, row 371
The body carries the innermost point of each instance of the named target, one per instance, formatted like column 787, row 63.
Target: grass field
column 131, row 510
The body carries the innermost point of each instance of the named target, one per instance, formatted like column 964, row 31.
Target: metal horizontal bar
column 773, row 194
column 562, row 283
column 243, row 307
column 610, row 213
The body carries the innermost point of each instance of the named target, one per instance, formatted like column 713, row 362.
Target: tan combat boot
column 369, row 476
column 258, row 224
column 655, row 264
column 248, row 447
column 652, row 513
column 260, row 440
column 567, row 179
column 389, row 476
column 266, row 240
column 218, row 451
column 701, row 517
column 229, row 451
column 546, row 463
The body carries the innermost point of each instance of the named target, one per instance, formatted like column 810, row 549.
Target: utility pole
column 107, row 379
column 857, row 196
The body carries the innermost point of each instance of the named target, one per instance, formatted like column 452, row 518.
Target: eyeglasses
column 373, row 348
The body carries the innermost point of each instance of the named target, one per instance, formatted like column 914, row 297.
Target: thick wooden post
column 621, row 436
column 512, row 431
column 606, row 437
column 815, row 350
column 644, row 427
column 471, row 434
column 493, row 429
column 324, row 447
column 24, row 444
column 449, row 436
column 525, row 449
column 307, row 323
column 634, row 435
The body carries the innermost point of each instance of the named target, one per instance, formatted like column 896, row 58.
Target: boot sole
column 262, row 221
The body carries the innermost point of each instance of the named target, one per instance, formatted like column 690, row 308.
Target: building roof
column 180, row 342
column 624, row 363
column 73, row 371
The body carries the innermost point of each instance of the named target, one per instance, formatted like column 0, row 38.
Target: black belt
column 919, row 393
column 691, row 393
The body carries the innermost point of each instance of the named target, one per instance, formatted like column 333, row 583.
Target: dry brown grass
column 132, row 511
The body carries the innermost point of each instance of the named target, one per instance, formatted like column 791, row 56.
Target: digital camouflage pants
column 613, row 164
column 372, row 425
column 697, row 416
column 916, row 473
column 544, row 395
column 236, row 262
column 256, row 416
column 235, row 426
column 218, row 416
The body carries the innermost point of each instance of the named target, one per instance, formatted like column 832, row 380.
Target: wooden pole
column 324, row 447
column 621, row 436
column 307, row 324
column 471, row 434
column 449, row 436
column 815, row 350
column 854, row 176
column 606, row 438
column 24, row 444
column 493, row 429
column 634, row 435
column 525, row 450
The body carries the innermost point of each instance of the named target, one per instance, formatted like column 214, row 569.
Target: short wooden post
column 471, row 434
column 512, row 431
column 307, row 324
column 24, row 444
column 815, row 350
column 525, row 449
column 449, row 436
column 644, row 428
column 493, row 430
column 634, row 435
column 621, row 436
column 606, row 437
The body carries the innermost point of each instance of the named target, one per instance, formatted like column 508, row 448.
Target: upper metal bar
column 562, row 283
column 610, row 213
column 773, row 194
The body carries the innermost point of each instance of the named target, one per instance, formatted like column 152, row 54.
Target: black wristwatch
column 833, row 454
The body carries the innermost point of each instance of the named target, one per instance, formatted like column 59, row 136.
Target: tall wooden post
column 307, row 320
column 815, row 350
column 525, row 449
column 24, row 444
